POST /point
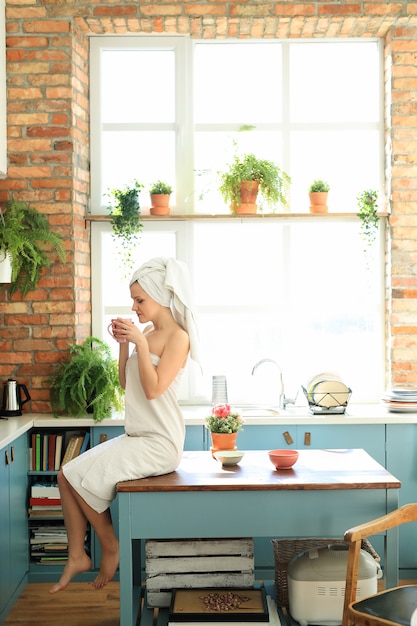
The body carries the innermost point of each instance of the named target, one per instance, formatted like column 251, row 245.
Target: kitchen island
column 326, row 492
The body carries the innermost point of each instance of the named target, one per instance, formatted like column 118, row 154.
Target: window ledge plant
column 126, row 221
column 87, row 381
column 273, row 182
column 368, row 215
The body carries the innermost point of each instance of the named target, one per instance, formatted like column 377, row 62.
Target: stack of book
column 49, row 544
column 45, row 500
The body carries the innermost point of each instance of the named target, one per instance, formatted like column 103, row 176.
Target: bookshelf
column 49, row 449
column 46, row 526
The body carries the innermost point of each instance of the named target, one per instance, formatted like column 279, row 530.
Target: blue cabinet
column 402, row 462
column 14, row 549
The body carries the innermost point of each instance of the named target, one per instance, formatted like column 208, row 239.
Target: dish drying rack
column 338, row 409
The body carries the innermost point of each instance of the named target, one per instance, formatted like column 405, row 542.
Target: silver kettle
column 12, row 398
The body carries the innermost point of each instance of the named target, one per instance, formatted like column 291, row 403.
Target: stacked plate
column 401, row 400
column 327, row 392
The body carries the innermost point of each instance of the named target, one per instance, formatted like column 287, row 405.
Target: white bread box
column 316, row 583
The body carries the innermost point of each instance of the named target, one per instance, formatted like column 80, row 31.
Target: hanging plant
column 126, row 221
column 368, row 215
column 26, row 237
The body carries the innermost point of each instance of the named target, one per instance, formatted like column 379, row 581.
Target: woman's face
column 143, row 305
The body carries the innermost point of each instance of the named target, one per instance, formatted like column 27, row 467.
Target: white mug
column 112, row 328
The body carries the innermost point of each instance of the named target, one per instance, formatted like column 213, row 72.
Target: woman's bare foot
column 71, row 569
column 108, row 567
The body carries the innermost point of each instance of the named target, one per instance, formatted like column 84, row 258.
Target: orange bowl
column 283, row 459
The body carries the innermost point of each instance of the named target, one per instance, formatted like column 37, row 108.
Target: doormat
column 218, row 605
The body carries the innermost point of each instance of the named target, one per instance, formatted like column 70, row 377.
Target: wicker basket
column 286, row 549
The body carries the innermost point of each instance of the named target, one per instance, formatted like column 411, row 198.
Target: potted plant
column 368, row 215
column 87, row 381
column 26, row 241
column 224, row 423
column 160, row 193
column 318, row 192
column 126, row 221
column 246, row 176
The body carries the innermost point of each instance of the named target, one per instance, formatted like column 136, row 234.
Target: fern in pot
column 87, row 381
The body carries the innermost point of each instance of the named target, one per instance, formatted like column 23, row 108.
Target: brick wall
column 47, row 103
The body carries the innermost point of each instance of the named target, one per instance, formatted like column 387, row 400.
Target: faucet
column 282, row 402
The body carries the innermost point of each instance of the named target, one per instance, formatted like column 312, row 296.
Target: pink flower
column 221, row 410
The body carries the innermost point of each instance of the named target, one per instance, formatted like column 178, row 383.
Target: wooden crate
column 195, row 564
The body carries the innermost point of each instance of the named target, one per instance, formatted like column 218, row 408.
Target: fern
column 25, row 234
column 87, row 381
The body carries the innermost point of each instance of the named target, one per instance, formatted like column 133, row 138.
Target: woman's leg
column 76, row 514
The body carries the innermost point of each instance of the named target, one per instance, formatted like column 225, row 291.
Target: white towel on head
column 167, row 281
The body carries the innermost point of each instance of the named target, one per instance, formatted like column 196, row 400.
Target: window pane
column 138, row 86
column 228, row 79
column 334, row 82
column 130, row 155
column 349, row 160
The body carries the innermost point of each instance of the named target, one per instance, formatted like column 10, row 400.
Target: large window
column 170, row 108
column 296, row 290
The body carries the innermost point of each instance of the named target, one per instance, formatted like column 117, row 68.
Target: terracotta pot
column 160, row 203
column 223, row 441
column 318, row 201
column 248, row 194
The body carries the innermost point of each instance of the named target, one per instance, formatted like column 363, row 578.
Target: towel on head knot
column 167, row 281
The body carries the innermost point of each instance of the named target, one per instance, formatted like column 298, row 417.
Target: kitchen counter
column 195, row 415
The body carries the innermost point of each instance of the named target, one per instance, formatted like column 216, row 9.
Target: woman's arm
column 157, row 380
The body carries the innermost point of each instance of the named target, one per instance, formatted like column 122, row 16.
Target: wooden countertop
column 314, row 470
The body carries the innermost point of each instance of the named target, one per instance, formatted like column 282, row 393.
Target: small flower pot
column 318, row 201
column 223, row 441
column 160, row 204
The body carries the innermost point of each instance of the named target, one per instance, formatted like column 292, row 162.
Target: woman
column 154, row 427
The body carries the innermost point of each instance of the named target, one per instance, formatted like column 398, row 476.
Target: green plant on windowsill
column 368, row 215
column 319, row 186
column 86, row 381
column 126, row 221
column 160, row 188
column 26, row 237
column 273, row 182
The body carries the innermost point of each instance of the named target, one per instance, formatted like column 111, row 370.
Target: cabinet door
column 4, row 530
column 370, row 437
column 267, row 437
column 14, row 562
column 18, row 513
column 402, row 462
column 98, row 434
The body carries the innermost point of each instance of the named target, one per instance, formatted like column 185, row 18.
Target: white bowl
column 228, row 457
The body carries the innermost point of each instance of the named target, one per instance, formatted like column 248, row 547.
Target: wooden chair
column 390, row 607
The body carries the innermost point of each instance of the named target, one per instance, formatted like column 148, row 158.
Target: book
column 51, row 451
column 85, row 443
column 45, row 513
column 78, row 445
column 58, row 451
column 44, row 464
column 69, row 451
column 38, row 452
column 44, row 501
column 33, row 460
column 44, row 490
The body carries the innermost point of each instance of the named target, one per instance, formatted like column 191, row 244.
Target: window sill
column 201, row 216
